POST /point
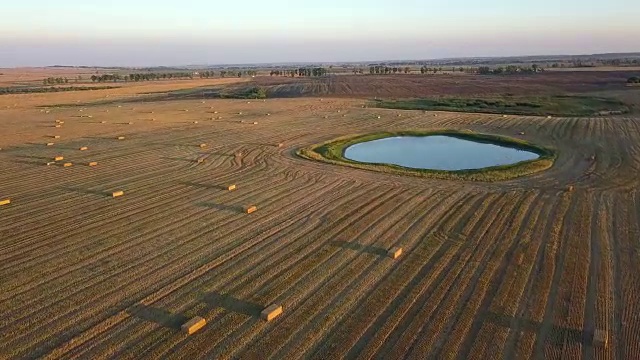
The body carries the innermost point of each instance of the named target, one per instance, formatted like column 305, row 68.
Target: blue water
column 436, row 152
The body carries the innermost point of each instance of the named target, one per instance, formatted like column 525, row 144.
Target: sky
column 159, row 32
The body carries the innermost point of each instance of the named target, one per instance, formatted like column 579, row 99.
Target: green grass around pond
column 333, row 152
column 514, row 105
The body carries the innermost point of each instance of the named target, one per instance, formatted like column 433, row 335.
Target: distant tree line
column 509, row 70
column 239, row 73
column 33, row 90
column 55, row 81
column 150, row 76
column 386, row 70
column 105, row 78
column 316, row 71
column 390, row 70
column 587, row 63
column 620, row 62
column 435, row 70
column 633, row 80
column 206, row 74
column 141, row 76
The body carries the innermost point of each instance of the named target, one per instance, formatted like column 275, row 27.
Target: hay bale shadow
column 50, row 158
column 230, row 303
column 23, row 162
column 375, row 250
column 203, row 186
column 157, row 315
column 559, row 335
column 231, row 208
column 110, row 138
column 179, row 159
column 87, row 191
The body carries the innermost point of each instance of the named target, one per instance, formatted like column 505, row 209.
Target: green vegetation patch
column 333, row 152
column 220, row 92
column 534, row 106
column 253, row 92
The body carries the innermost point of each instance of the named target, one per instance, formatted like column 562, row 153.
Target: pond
column 436, row 152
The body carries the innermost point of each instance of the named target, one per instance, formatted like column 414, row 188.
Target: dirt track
column 517, row 269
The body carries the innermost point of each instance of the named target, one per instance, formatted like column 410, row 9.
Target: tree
column 511, row 69
column 94, row 78
column 484, row 70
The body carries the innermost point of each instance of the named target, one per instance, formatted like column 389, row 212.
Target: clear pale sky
column 147, row 33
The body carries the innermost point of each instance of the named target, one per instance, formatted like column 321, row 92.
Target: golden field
column 516, row 269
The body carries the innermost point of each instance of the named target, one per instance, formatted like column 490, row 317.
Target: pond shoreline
column 333, row 152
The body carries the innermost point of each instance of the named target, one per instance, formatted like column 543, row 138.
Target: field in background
column 558, row 93
column 510, row 105
column 516, row 269
column 34, row 76
column 417, row 86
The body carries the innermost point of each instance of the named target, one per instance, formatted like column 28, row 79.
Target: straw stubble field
column 515, row 269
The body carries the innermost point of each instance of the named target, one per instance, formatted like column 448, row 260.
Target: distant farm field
column 543, row 266
column 418, row 86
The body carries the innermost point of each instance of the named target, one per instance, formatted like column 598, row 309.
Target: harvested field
column 515, row 269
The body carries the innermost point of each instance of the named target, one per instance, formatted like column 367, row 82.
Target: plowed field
column 416, row 85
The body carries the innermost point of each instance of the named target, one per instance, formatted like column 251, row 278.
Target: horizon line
column 280, row 63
